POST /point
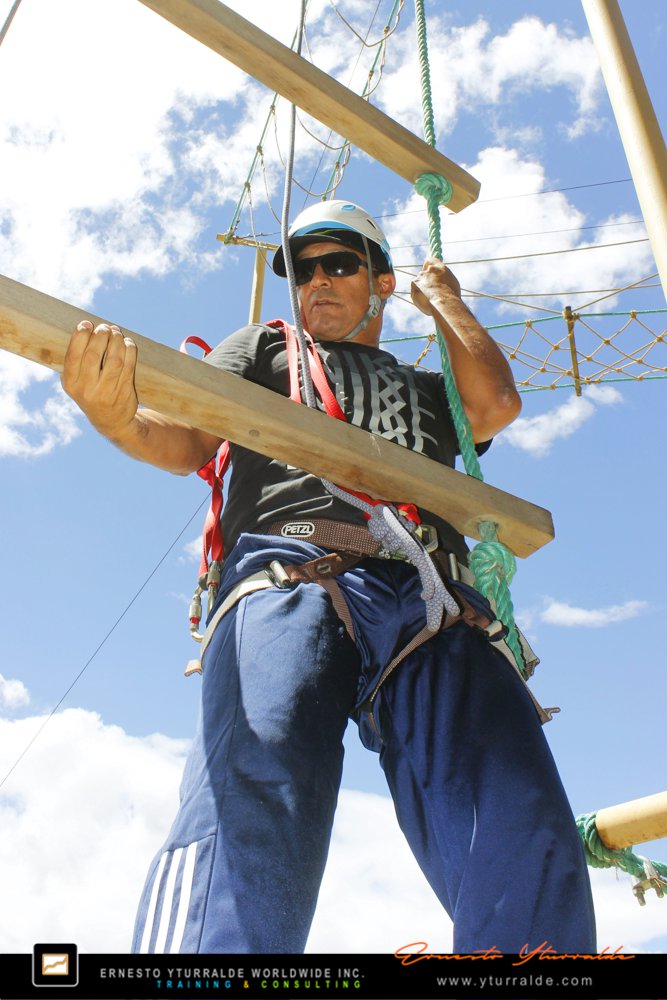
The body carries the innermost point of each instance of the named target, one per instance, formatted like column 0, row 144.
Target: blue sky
column 124, row 147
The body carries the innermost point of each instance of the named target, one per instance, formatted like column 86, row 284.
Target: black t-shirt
column 404, row 404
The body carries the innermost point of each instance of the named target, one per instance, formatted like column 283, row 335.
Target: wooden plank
column 38, row 327
column 636, row 119
column 272, row 63
column 633, row 822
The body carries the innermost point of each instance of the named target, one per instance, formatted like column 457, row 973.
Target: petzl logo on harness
column 297, row 529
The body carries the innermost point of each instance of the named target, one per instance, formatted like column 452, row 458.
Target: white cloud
column 13, row 693
column 192, row 550
column 110, row 798
column 108, row 173
column 475, row 70
column 106, row 798
column 110, row 165
column 95, row 180
column 34, row 426
column 374, row 897
column 537, row 435
column 498, row 231
column 560, row 613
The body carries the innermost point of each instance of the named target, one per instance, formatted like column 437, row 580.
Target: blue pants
column 476, row 790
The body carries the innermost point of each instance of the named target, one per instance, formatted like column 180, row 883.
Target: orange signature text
column 545, row 951
column 412, row 957
column 417, row 951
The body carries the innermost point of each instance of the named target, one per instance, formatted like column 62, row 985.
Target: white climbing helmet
column 337, row 222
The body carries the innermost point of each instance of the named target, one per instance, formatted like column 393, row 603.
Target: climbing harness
column 214, row 471
column 352, row 539
column 350, row 543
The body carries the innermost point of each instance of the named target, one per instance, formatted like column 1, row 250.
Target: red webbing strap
column 329, row 400
column 213, row 473
column 197, row 341
column 331, row 405
column 292, row 361
column 212, row 540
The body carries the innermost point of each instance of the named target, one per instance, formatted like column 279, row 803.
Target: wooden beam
column 39, row 327
column 319, row 95
column 257, row 291
column 633, row 822
column 636, row 120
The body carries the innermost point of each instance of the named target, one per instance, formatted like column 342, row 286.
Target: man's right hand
column 99, row 376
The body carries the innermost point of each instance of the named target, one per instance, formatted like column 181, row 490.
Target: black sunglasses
column 336, row 264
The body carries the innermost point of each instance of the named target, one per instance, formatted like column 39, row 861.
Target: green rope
column 424, row 73
column 492, row 563
column 494, row 567
column 600, row 856
column 437, row 191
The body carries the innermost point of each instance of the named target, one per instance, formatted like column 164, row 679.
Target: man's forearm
column 473, row 352
column 482, row 373
column 165, row 443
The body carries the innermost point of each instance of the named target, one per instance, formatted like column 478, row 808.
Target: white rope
column 8, row 21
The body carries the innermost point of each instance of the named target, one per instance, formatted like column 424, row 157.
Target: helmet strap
column 374, row 300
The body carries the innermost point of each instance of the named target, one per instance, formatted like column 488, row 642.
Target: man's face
column 331, row 307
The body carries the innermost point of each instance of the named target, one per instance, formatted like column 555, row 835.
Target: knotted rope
column 650, row 874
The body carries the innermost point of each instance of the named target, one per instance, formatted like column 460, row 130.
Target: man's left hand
column 435, row 281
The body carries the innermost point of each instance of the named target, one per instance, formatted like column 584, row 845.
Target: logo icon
column 297, row 529
column 55, row 965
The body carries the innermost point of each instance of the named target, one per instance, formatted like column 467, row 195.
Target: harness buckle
column 275, row 571
column 428, row 536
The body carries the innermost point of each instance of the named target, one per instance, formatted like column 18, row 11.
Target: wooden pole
column 569, row 318
column 257, row 286
column 318, row 94
column 39, row 327
column 633, row 822
column 636, row 119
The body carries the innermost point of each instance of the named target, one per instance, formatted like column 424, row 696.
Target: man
column 288, row 661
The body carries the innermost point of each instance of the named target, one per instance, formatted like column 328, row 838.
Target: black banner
column 58, row 970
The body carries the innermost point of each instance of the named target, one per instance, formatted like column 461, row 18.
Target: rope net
column 324, row 177
column 596, row 350
column 571, row 350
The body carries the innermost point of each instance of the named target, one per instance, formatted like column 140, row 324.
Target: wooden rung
column 39, row 327
column 633, row 822
column 319, row 95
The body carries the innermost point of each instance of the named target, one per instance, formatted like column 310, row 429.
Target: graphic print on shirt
column 376, row 395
